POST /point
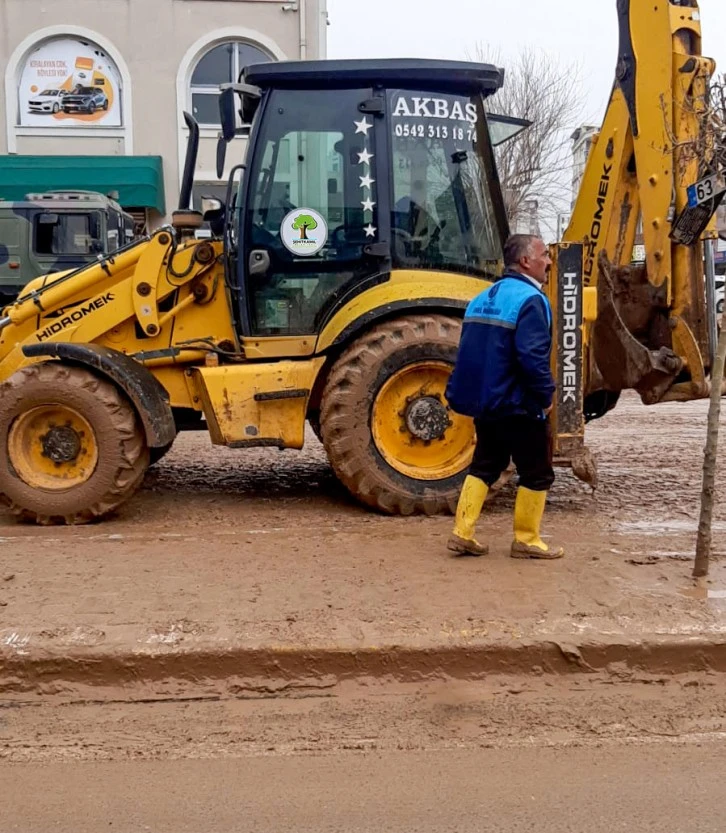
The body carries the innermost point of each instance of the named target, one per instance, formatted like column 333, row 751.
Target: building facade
column 94, row 90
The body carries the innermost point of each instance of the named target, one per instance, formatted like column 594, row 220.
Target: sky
column 582, row 33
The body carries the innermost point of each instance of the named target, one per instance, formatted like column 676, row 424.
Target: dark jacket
column 503, row 366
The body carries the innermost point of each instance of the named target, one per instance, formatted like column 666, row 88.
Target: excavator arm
column 648, row 329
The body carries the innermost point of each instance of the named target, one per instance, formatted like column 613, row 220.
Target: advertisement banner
column 69, row 83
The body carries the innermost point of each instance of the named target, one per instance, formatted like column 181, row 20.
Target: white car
column 49, row 101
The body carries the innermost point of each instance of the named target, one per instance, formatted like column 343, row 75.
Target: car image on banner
column 85, row 100
column 67, row 82
column 49, row 101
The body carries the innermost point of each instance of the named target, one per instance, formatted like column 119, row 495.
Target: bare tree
column 709, row 153
column 701, row 155
column 536, row 166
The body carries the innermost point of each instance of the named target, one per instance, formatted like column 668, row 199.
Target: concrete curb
column 288, row 668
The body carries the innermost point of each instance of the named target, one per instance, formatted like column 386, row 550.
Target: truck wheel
column 71, row 447
column 388, row 431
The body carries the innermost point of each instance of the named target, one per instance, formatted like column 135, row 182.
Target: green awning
column 138, row 180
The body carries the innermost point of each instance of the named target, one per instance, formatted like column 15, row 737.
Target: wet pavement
column 225, row 550
column 457, row 791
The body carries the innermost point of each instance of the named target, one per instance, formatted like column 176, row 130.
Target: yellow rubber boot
column 471, row 501
column 528, row 511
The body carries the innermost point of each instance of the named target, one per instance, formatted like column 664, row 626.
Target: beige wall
column 154, row 39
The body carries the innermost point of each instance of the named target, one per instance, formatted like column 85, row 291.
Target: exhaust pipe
column 190, row 162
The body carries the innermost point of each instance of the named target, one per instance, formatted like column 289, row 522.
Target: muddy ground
column 264, row 550
column 264, row 547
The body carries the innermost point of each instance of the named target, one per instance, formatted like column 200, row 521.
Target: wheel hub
column 427, row 418
column 52, row 447
column 414, row 430
column 61, row 444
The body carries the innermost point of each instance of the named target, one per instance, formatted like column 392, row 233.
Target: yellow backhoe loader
column 368, row 213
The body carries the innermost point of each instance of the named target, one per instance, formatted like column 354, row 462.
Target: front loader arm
column 160, row 302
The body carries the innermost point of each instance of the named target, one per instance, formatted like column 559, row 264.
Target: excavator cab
column 356, row 169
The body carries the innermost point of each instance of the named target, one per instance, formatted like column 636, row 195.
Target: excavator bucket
column 629, row 307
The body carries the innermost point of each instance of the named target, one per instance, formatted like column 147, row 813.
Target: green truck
column 56, row 231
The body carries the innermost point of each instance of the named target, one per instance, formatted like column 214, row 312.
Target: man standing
column 503, row 379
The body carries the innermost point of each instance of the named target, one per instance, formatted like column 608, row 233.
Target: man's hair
column 517, row 247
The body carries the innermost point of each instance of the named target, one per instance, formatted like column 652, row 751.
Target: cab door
column 311, row 227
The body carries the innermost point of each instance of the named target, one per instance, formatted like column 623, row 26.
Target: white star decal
column 366, row 181
column 367, row 205
column 362, row 126
column 365, row 157
column 370, row 230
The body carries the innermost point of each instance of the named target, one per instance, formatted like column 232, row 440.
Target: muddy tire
column 387, row 429
column 71, row 446
column 314, row 423
column 156, row 454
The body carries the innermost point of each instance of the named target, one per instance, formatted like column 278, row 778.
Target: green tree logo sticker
column 304, row 231
column 302, row 223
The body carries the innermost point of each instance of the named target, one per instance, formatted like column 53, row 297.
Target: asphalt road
column 669, row 788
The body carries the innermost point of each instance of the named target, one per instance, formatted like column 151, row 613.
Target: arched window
column 222, row 64
column 69, row 82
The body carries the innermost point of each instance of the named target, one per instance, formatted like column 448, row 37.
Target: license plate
column 705, row 190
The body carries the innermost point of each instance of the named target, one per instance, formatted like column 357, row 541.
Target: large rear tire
column 388, row 431
column 71, row 446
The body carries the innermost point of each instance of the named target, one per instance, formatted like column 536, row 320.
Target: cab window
column 311, row 209
column 67, row 234
column 442, row 210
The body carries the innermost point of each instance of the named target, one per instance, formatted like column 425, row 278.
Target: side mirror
column 227, row 116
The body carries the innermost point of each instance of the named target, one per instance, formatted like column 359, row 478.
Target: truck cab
column 53, row 232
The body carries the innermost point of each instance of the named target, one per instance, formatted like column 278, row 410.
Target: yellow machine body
column 243, row 336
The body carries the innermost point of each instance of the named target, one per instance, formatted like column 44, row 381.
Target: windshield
column 443, row 210
column 85, row 91
column 50, row 92
column 68, row 234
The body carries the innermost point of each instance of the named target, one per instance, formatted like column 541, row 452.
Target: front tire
column 388, row 431
column 71, row 446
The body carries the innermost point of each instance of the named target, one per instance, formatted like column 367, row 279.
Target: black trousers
column 526, row 441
